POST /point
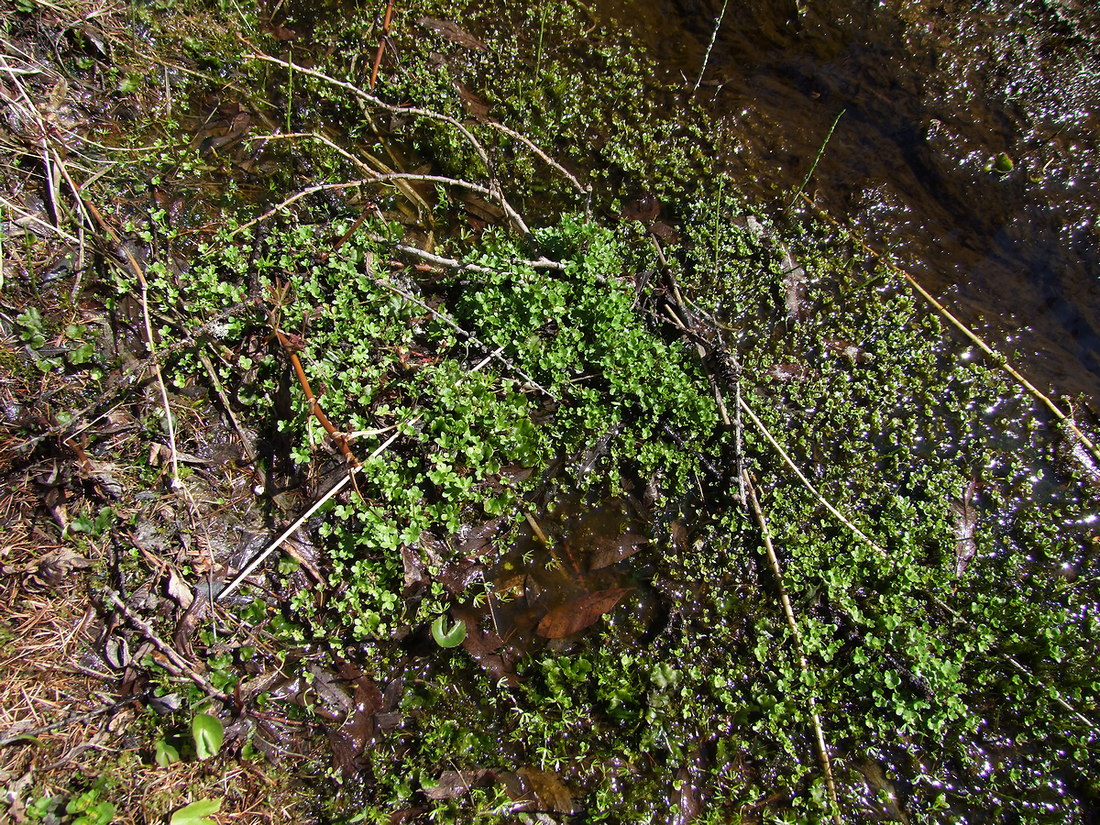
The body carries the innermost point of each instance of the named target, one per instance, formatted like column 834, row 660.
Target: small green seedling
column 164, row 754
column 208, row 733
column 91, row 810
column 197, row 813
column 448, row 637
column 1003, row 164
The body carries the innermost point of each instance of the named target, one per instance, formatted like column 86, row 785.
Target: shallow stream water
column 928, row 95
column 932, row 104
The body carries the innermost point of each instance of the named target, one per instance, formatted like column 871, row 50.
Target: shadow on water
column 931, row 94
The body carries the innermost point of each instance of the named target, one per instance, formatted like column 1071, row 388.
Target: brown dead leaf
column 482, row 209
column 965, row 522
column 458, row 575
column 551, row 792
column 577, row 614
column 474, row 540
column 484, row 646
column 475, row 106
column 55, row 566
column 281, row 32
column 794, row 288
column 787, row 372
column 645, row 209
column 679, row 535
column 360, row 722
column 608, row 551
column 179, row 591
column 846, row 349
column 416, row 572
column 453, row 784
column 452, row 32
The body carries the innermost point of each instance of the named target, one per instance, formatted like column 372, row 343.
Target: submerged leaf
column 577, row 614
column 552, row 793
column 453, row 784
column 609, row 551
column 965, row 521
column 451, row 31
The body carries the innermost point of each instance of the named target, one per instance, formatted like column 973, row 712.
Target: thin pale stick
column 175, row 660
column 710, row 46
column 381, row 104
column 743, row 405
column 545, row 158
column 27, row 216
column 336, row 488
column 309, row 190
column 803, row 662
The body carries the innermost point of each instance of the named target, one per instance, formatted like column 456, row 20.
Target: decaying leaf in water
column 787, row 372
column 452, row 32
column 577, row 614
column 281, row 32
column 351, row 740
column 794, row 287
column 453, row 784
column 846, row 349
column 460, row 574
column 690, row 801
column 966, row 520
column 679, row 535
column 474, row 540
column 475, row 106
column 645, row 209
column 609, row 551
column 366, row 702
column 416, row 572
column 551, row 792
column 484, row 646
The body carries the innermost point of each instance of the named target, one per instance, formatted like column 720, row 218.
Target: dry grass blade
column 381, row 104
column 545, row 158
column 783, row 454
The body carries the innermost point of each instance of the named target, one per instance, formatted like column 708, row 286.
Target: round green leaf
column 196, row 813
column 165, row 754
column 448, row 637
column 208, row 733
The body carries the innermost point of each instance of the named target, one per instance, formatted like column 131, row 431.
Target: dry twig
column 803, row 662
column 173, row 660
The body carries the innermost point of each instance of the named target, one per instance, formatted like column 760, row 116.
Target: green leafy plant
column 165, row 754
column 90, row 809
column 208, row 733
column 448, row 636
column 198, row 812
